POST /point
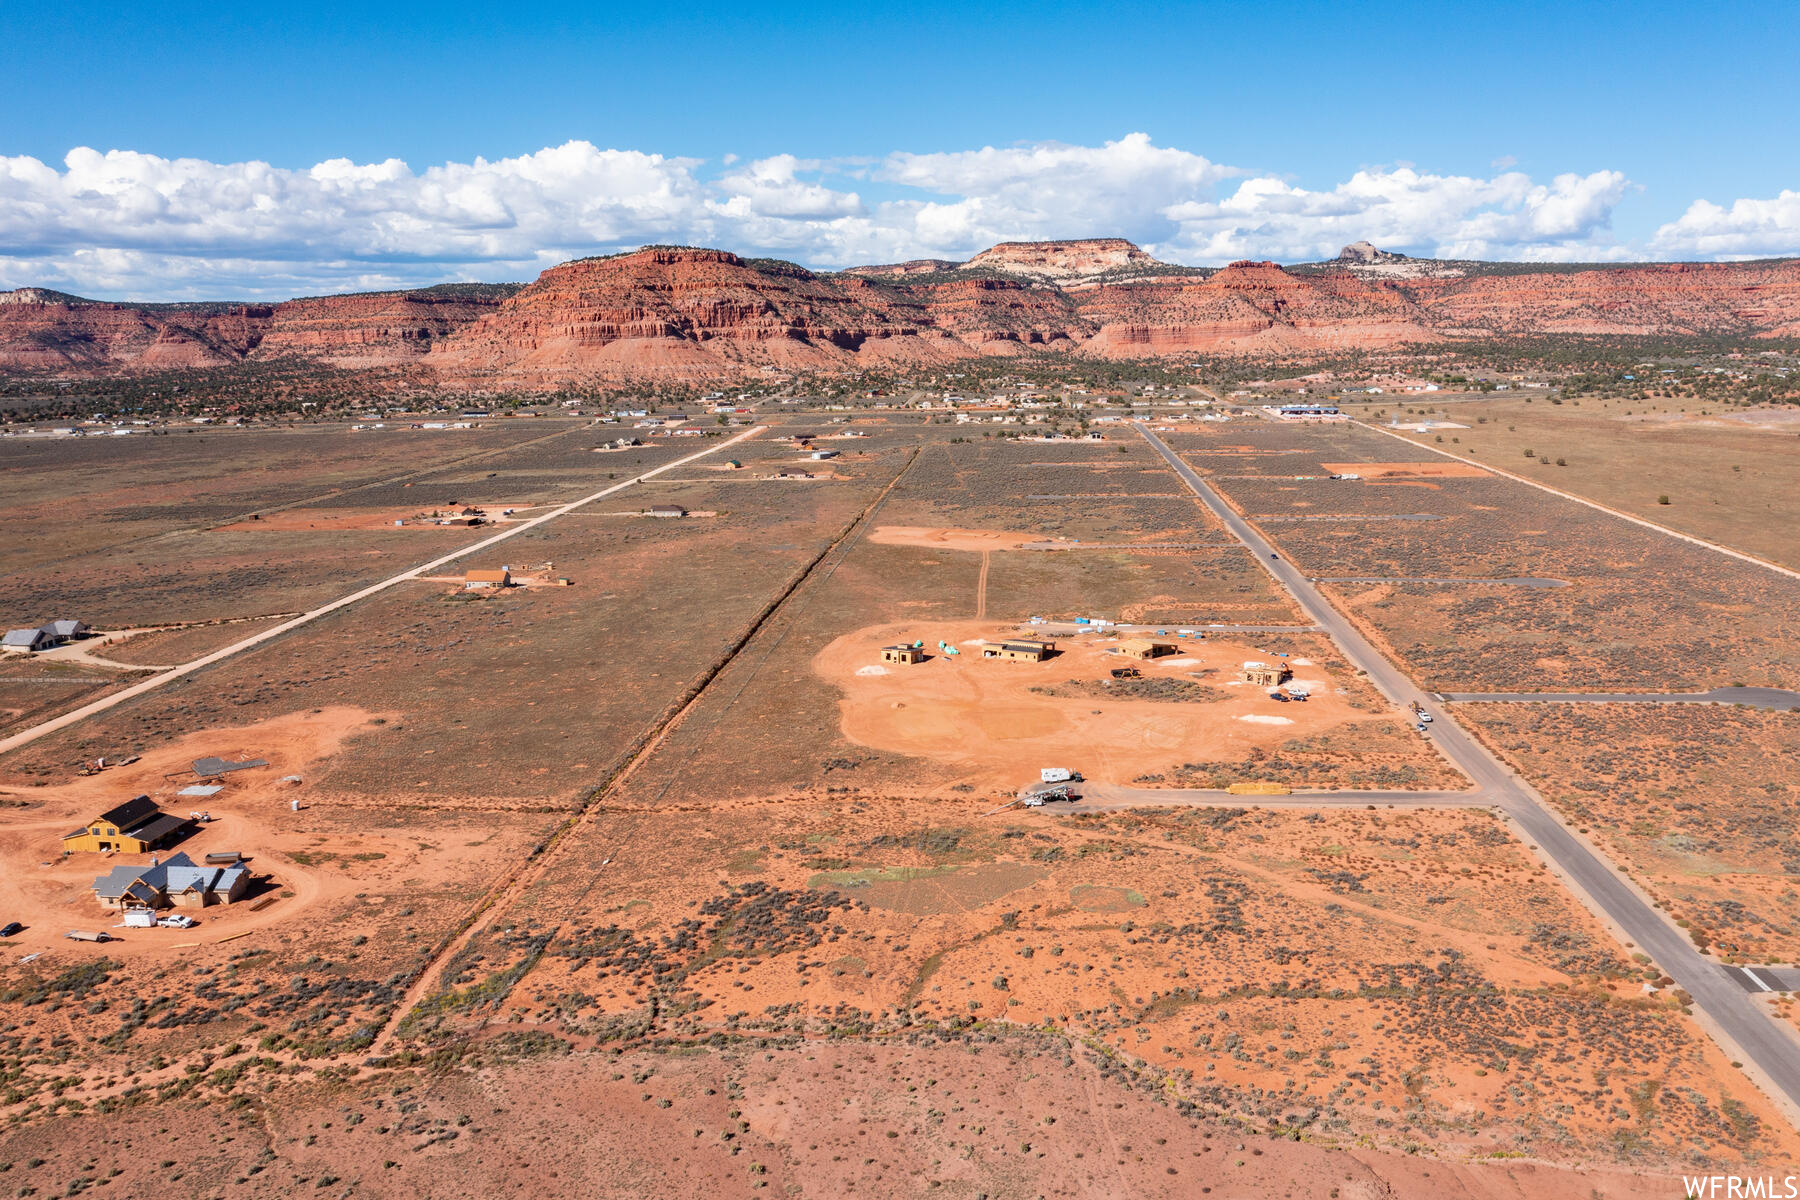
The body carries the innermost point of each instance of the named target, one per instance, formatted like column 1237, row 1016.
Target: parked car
column 177, row 921
column 10, row 928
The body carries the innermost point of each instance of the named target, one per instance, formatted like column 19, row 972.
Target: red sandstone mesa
column 696, row 312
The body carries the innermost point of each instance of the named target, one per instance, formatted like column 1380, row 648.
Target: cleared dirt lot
column 994, row 723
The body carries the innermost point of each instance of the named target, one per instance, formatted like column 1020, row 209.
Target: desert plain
column 649, row 870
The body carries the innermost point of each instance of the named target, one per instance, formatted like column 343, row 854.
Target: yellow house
column 134, row 827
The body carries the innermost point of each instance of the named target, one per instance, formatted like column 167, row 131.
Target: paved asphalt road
column 1765, row 979
column 1755, row 697
column 1716, row 993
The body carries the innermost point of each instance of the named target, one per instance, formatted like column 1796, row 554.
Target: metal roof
column 134, row 811
column 160, row 828
column 211, row 765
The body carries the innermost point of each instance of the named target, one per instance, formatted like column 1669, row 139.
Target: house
column 1145, row 648
column 134, row 827
column 177, row 883
column 477, row 580
column 667, row 510
column 1019, row 651
column 68, row 631
column 902, row 654
column 29, row 640
column 1264, row 674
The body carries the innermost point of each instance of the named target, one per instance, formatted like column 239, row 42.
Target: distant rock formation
column 1365, row 252
column 684, row 312
column 1062, row 261
column 917, row 266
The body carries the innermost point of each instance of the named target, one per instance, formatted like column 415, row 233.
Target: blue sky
column 826, row 133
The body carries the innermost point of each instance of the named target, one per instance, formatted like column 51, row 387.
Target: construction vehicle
column 1047, row 795
column 1127, row 673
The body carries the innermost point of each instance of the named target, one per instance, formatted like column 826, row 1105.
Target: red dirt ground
column 983, row 715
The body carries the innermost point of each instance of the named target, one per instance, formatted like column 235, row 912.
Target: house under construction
column 1019, row 651
column 1264, row 674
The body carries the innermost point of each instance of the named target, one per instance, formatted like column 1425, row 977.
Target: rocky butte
column 683, row 312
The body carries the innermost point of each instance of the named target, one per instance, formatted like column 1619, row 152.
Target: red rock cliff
column 709, row 312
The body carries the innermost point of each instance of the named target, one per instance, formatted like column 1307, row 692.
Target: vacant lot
column 33, row 689
column 1727, row 472
column 970, row 1113
column 532, row 692
column 1404, row 977
column 1641, row 610
column 1699, row 800
column 66, row 497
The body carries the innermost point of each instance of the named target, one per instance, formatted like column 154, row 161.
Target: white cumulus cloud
column 122, row 223
column 1401, row 208
column 1748, row 229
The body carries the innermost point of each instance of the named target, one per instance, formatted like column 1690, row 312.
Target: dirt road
column 1110, row 797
